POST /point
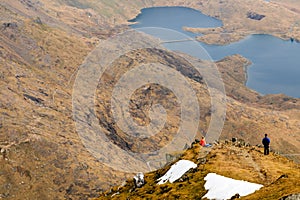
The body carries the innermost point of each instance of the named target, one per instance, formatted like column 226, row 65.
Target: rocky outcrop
column 255, row 16
column 9, row 25
column 291, row 197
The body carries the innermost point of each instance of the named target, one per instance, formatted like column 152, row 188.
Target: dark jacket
column 266, row 141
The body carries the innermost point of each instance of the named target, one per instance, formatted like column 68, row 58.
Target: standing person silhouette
column 266, row 142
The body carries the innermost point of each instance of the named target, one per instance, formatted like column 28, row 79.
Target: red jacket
column 202, row 142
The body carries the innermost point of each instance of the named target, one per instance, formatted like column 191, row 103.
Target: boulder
column 139, row 180
column 255, row 16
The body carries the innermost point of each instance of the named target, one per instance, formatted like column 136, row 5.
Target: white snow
column 220, row 187
column 176, row 171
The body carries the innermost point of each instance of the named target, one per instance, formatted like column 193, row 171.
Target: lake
column 276, row 63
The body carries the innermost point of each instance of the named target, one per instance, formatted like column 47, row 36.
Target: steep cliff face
column 43, row 43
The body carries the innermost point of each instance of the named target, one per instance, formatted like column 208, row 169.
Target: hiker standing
column 266, row 143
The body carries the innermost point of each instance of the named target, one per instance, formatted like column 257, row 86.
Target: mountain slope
column 43, row 43
column 278, row 175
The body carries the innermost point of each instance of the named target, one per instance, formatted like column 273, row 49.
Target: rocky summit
column 237, row 160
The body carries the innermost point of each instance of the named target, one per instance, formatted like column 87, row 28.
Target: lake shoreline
column 268, row 73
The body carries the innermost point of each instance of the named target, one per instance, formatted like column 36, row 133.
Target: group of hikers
column 265, row 141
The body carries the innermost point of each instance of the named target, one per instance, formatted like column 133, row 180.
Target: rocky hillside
column 278, row 175
column 43, row 43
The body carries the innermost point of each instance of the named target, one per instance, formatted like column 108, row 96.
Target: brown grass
column 278, row 175
column 45, row 158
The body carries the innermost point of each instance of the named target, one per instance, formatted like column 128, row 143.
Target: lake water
column 276, row 63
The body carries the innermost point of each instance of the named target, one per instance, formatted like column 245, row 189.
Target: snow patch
column 176, row 171
column 220, row 187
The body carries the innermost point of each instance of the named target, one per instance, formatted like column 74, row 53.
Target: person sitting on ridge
column 203, row 143
column 266, row 143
